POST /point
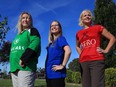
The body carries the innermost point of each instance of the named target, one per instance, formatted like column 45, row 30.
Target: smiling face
column 25, row 21
column 86, row 18
column 55, row 28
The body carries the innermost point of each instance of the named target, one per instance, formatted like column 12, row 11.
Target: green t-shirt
column 27, row 47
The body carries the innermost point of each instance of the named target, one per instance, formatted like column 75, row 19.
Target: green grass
column 38, row 83
column 5, row 83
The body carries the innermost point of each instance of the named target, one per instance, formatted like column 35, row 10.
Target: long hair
column 19, row 25
column 50, row 36
column 80, row 18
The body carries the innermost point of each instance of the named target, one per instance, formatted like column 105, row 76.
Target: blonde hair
column 19, row 25
column 80, row 18
column 50, row 36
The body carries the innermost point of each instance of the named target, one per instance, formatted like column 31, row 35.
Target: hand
column 57, row 67
column 99, row 50
column 21, row 63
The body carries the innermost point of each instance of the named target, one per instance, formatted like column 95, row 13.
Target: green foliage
column 76, row 77
column 73, row 77
column 4, row 45
column 104, row 13
column 110, row 77
column 110, row 61
column 3, row 29
column 69, row 76
column 74, row 65
column 5, row 52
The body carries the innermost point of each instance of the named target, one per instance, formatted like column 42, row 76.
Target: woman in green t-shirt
column 24, row 53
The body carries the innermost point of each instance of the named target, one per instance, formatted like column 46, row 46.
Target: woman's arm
column 112, row 40
column 78, row 47
column 66, row 58
column 34, row 48
column 66, row 55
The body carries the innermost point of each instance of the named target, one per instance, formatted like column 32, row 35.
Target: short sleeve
column 62, row 41
column 77, row 36
column 100, row 28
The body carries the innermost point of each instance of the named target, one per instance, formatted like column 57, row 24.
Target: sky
column 43, row 12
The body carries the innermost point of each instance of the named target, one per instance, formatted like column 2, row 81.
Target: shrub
column 76, row 77
column 73, row 77
column 110, row 77
column 69, row 76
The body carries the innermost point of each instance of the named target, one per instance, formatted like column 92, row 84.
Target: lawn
column 38, row 83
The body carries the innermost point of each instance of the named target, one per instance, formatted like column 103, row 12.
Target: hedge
column 73, row 77
column 110, row 77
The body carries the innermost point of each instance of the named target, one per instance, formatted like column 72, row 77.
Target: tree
column 4, row 45
column 104, row 13
column 74, row 65
column 5, row 51
column 40, row 72
column 3, row 29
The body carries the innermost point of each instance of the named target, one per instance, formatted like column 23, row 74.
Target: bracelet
column 63, row 65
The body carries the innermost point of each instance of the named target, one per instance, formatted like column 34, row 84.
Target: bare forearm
column 66, row 58
column 110, row 44
column 66, row 55
column 111, row 39
column 78, row 50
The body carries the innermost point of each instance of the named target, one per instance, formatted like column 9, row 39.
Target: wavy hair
column 19, row 25
column 80, row 18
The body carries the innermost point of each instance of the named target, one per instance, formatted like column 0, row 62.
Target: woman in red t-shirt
column 91, row 54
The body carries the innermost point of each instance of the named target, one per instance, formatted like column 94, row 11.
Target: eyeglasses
column 54, row 26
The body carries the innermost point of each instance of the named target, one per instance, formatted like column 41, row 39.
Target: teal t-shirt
column 26, row 45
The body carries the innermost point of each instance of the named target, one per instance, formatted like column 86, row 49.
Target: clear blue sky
column 43, row 13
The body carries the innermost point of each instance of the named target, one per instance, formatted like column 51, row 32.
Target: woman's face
column 87, row 18
column 25, row 21
column 55, row 28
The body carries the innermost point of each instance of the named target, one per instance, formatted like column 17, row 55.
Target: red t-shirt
column 89, row 40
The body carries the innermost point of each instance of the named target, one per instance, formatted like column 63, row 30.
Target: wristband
column 63, row 65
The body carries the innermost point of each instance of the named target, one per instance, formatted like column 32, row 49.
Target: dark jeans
column 60, row 82
column 93, row 74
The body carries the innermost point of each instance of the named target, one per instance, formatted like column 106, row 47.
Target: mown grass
column 38, row 83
